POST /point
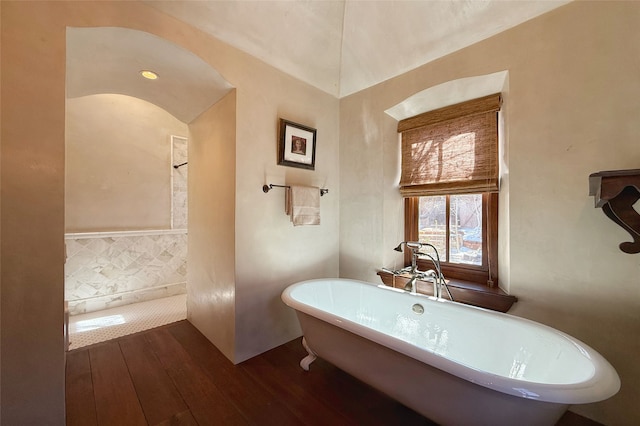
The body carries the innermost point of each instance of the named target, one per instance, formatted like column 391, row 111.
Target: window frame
column 485, row 274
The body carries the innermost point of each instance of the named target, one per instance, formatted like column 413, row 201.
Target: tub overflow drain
column 418, row 308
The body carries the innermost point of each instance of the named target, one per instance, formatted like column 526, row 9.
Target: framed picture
column 297, row 145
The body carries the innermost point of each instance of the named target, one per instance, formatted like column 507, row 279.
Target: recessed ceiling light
column 150, row 75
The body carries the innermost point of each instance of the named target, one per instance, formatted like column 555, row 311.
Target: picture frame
column 296, row 145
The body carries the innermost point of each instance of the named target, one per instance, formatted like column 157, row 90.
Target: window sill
column 462, row 291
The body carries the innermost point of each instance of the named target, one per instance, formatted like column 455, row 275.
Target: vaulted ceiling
column 338, row 46
column 343, row 46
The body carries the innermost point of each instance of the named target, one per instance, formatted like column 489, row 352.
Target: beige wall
column 32, row 219
column 270, row 252
column 572, row 104
column 118, row 164
column 211, row 251
column 0, row 227
column 33, row 83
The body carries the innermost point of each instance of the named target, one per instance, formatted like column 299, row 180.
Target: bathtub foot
column 307, row 360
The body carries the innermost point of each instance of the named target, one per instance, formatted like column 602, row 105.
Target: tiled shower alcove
column 108, row 269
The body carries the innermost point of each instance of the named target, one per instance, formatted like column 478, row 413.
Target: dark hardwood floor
column 173, row 375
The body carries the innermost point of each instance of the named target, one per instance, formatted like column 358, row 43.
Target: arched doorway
column 125, row 207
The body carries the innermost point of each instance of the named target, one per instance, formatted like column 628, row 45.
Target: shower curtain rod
column 267, row 188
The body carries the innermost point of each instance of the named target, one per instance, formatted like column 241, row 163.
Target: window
column 450, row 184
column 466, row 237
column 453, row 223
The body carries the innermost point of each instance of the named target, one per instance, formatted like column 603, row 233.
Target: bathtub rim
column 601, row 385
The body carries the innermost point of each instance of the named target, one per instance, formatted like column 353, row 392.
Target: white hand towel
column 302, row 203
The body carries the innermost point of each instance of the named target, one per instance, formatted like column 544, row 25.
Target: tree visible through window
column 453, row 223
column 464, row 230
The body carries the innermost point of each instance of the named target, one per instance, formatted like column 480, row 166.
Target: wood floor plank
column 349, row 400
column 116, row 399
column 573, row 419
column 346, row 394
column 181, row 419
column 270, row 389
column 304, row 401
column 207, row 403
column 80, row 402
column 157, row 394
column 259, row 406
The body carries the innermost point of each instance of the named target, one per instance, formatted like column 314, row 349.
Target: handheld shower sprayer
column 415, row 247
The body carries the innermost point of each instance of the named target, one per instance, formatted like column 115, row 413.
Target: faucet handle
column 396, row 272
column 430, row 273
column 406, row 269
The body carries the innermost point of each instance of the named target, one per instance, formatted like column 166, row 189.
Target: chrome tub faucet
column 434, row 276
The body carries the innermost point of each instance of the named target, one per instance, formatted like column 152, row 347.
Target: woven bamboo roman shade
column 451, row 150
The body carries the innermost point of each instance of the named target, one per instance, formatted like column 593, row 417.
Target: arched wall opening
column 126, row 206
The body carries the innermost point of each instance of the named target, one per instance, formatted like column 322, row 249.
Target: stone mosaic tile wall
column 109, row 269
column 179, row 151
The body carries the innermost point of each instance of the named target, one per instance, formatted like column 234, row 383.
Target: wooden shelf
column 462, row 291
column 616, row 192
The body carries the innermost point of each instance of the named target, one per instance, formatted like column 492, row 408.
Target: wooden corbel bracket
column 616, row 192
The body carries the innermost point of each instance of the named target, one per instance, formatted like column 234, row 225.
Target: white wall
column 572, row 103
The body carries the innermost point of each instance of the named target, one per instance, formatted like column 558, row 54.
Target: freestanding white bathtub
column 455, row 364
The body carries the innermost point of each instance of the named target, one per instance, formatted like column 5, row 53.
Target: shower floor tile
column 95, row 327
